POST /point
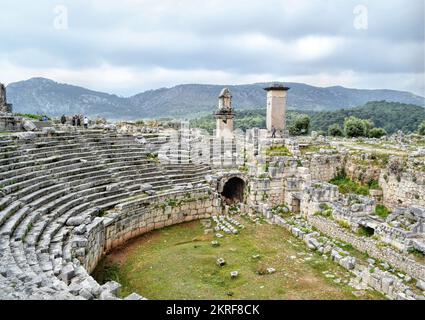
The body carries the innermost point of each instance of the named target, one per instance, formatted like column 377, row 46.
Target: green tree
column 377, row 133
column 335, row 130
column 369, row 125
column 354, row 127
column 421, row 129
column 300, row 126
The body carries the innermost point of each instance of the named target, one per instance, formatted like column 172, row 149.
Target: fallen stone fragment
column 271, row 270
column 215, row 243
column 221, row 262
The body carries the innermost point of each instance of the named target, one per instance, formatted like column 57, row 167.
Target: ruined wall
column 404, row 188
column 360, row 170
column 325, row 167
column 132, row 219
column 371, row 275
column 10, row 123
column 370, row 246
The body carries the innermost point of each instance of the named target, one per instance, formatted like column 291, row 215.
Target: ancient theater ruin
column 69, row 196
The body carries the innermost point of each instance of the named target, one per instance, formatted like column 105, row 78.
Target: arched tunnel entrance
column 233, row 190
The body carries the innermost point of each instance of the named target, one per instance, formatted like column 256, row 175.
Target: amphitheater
column 70, row 195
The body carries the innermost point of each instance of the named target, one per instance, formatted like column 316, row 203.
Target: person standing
column 273, row 132
column 78, row 121
column 74, row 120
column 63, row 119
column 86, row 122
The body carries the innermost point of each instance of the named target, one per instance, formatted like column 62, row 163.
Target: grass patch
column 365, row 232
column 156, row 266
column 346, row 185
column 278, row 151
column 344, row 224
column 374, row 185
column 152, row 157
column 315, row 148
column 325, row 211
column 416, row 252
column 31, row 116
column 382, row 211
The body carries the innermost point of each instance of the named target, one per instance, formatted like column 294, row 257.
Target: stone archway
column 233, row 190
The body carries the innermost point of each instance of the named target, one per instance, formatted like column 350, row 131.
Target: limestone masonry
column 68, row 196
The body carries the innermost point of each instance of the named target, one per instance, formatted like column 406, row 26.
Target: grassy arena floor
column 179, row 262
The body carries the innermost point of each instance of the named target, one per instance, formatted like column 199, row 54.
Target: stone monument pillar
column 276, row 107
column 4, row 106
column 224, row 115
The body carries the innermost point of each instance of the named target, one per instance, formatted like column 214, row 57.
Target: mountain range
column 45, row 96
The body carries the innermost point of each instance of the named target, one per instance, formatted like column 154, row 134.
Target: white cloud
column 128, row 46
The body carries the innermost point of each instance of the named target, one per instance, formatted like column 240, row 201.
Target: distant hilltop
column 45, row 96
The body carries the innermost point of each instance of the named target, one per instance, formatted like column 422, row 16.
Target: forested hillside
column 391, row 116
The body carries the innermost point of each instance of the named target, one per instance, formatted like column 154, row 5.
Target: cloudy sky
column 128, row 46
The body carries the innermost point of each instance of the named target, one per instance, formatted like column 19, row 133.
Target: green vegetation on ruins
column 315, row 148
column 346, row 185
column 382, row 211
column 156, row 266
column 278, row 151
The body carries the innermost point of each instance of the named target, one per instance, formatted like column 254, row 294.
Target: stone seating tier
column 53, row 187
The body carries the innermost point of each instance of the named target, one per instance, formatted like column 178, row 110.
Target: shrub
column 335, row 130
column 300, row 126
column 377, row 133
column 354, row 127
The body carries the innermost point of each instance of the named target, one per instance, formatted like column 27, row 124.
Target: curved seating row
column 52, row 186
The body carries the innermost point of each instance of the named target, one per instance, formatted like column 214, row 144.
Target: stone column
column 224, row 115
column 276, row 109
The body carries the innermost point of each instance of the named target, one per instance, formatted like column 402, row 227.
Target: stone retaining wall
column 361, row 171
column 325, row 167
column 370, row 275
column 132, row 219
column 404, row 189
column 369, row 246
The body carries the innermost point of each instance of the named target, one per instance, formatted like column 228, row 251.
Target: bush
column 377, row 133
column 335, row 130
column 300, row 126
column 355, row 127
